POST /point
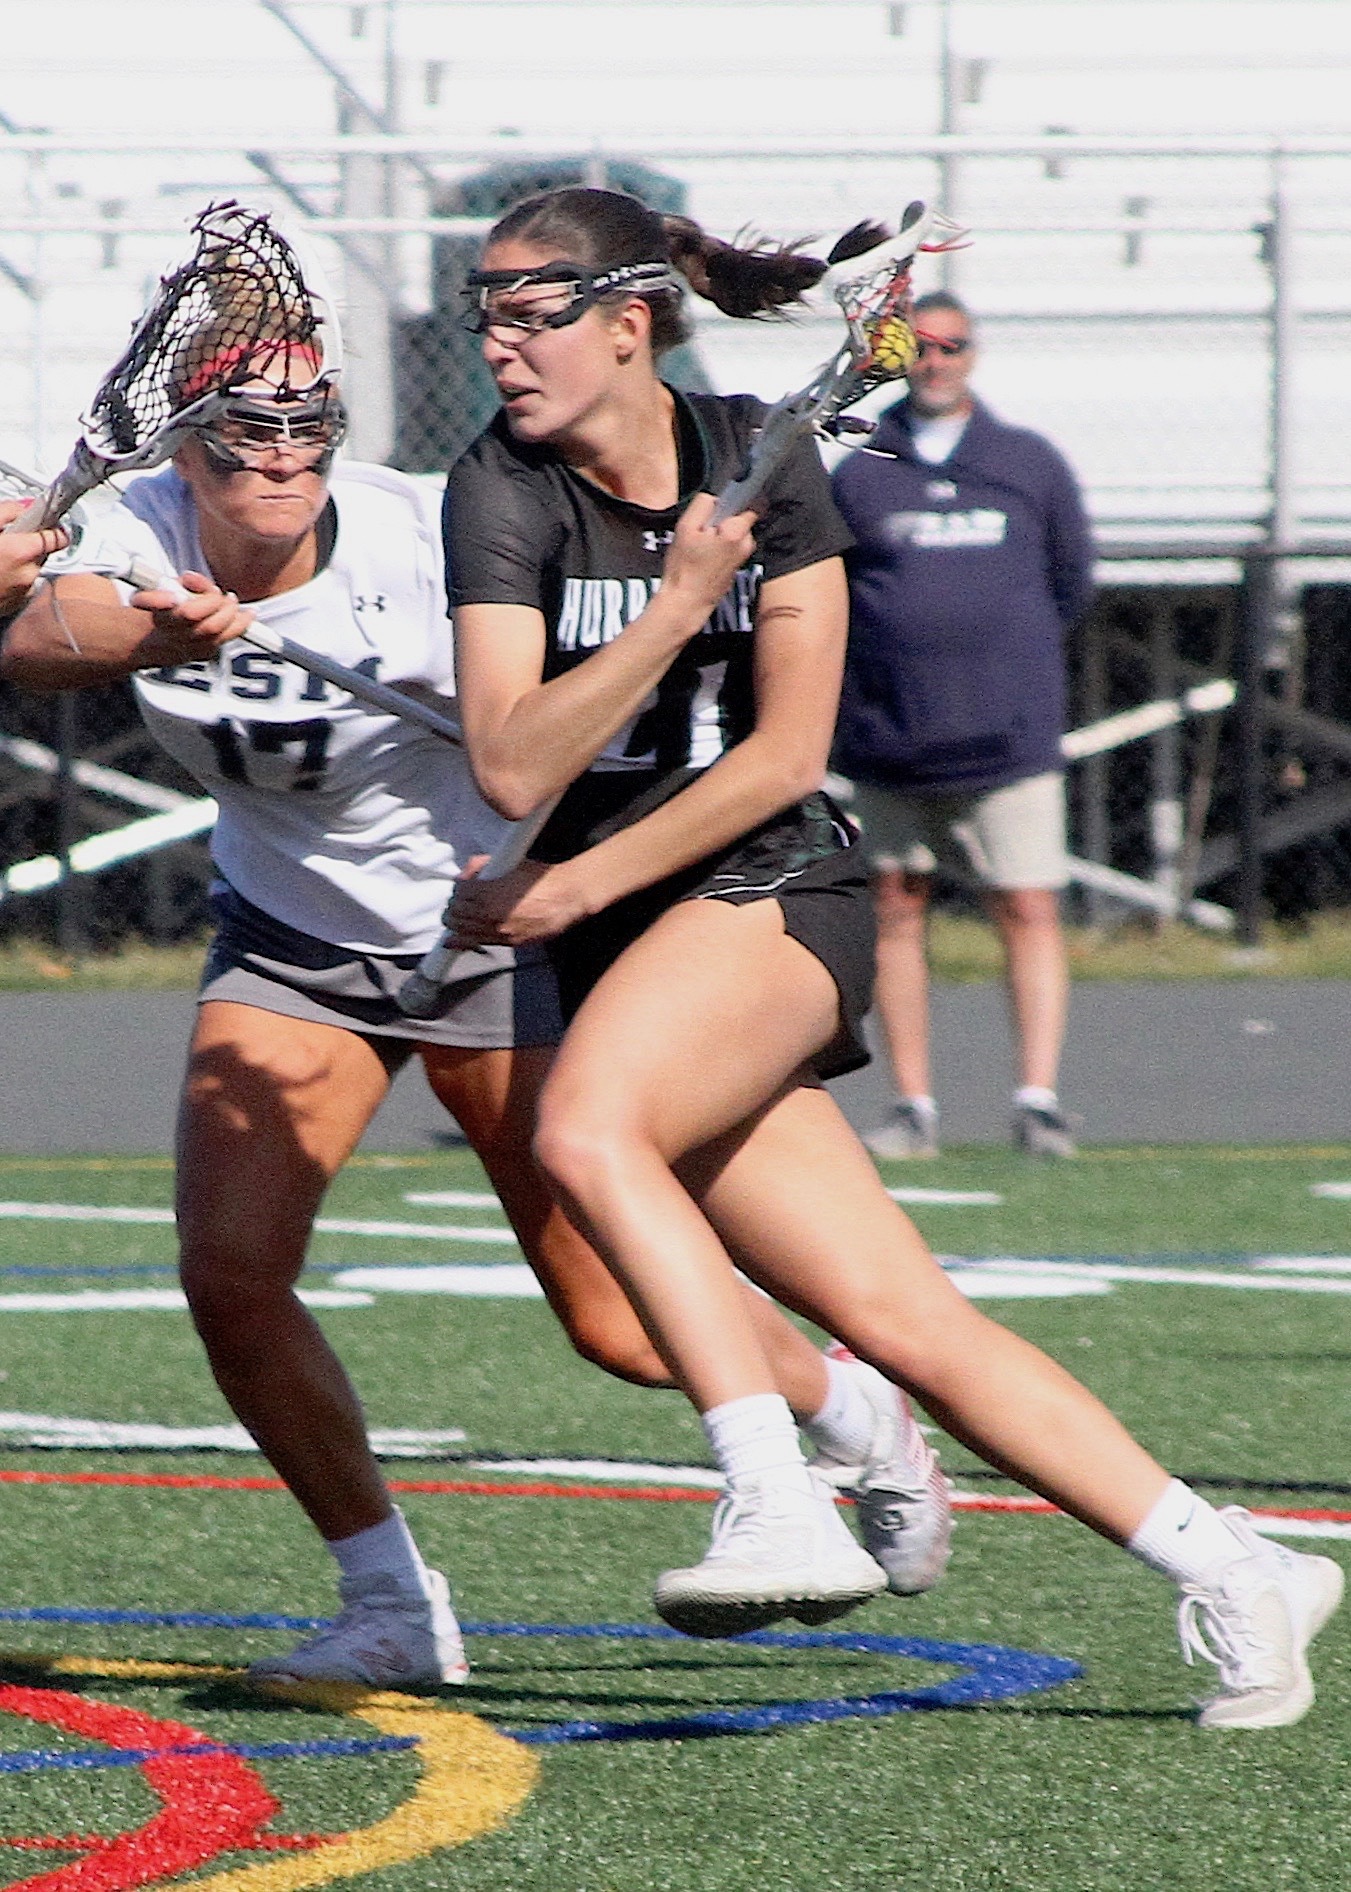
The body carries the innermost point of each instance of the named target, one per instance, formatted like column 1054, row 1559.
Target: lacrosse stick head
column 242, row 308
column 876, row 304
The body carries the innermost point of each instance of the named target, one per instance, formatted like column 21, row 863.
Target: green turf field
column 1099, row 1782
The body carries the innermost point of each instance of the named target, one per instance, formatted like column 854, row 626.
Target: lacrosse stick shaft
column 788, row 421
column 376, row 696
column 421, row 993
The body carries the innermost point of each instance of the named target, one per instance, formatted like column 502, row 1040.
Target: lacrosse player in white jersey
column 339, row 838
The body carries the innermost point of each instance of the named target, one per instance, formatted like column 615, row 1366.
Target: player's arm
column 21, row 556
column 529, row 739
column 801, row 626
column 77, row 631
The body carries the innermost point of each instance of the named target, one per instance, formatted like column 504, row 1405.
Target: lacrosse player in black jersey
column 677, row 680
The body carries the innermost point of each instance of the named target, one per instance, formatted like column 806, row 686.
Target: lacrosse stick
column 881, row 346
column 240, row 305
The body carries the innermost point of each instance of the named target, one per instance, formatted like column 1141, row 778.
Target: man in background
column 973, row 560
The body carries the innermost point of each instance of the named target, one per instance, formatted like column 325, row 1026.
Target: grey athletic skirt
column 495, row 998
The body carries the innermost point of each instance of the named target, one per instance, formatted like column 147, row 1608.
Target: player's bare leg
column 272, row 1107
column 611, row 1131
column 901, row 904
column 1037, row 967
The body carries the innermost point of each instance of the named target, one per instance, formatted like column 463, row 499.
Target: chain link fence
column 1176, row 317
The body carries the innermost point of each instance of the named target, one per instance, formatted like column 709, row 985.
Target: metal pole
column 69, row 927
column 1096, row 815
column 947, row 125
column 1165, row 759
column 1254, row 630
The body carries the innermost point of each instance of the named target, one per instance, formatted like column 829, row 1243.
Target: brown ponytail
column 603, row 229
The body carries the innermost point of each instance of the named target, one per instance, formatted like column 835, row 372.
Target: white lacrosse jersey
column 345, row 823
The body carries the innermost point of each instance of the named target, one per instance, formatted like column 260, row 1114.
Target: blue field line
column 988, row 1672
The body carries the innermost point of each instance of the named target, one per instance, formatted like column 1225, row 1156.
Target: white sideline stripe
column 1000, row 1283
column 606, row 1472
column 325, row 1225
column 494, row 1280
column 1332, row 1191
column 974, row 1198
column 105, row 1435
column 452, row 1198
column 1167, row 1277
column 1298, row 1527
column 1306, row 1264
column 147, row 1300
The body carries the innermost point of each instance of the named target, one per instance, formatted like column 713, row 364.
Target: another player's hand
column 533, row 902
column 21, row 555
column 703, row 558
column 190, row 624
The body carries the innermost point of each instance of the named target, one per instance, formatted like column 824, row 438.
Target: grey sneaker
column 1040, row 1130
column 773, row 1554
column 382, row 1637
column 1255, row 1618
column 908, row 1132
column 904, row 1501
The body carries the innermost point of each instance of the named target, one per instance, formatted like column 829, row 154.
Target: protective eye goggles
column 248, row 434
column 526, row 302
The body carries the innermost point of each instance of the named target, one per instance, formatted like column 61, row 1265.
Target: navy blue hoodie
column 963, row 581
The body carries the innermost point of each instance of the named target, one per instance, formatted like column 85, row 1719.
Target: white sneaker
column 383, row 1637
column 1254, row 1618
column 774, row 1553
column 904, row 1501
column 907, row 1133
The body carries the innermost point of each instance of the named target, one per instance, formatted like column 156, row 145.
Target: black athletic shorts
column 806, row 858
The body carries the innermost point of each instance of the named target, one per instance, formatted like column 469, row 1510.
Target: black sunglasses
column 958, row 346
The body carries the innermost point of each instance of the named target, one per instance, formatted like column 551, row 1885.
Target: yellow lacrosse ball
column 895, row 347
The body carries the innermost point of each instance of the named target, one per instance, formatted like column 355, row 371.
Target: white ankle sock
column 924, row 1106
column 845, row 1425
column 384, row 1549
column 756, row 1439
column 1183, row 1537
column 1035, row 1097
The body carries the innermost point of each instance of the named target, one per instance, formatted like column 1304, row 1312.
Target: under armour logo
column 377, row 603
column 656, row 541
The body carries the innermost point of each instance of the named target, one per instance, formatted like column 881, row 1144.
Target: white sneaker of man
column 904, row 1501
column 775, row 1552
column 1255, row 1617
column 384, row 1637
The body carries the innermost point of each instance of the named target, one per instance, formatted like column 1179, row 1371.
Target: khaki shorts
column 1011, row 837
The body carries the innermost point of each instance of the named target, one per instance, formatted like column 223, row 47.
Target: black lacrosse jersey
column 523, row 528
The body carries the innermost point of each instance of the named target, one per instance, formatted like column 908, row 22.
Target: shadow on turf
column 1256, row 1487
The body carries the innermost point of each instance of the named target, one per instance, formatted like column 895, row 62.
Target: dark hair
column 944, row 299
column 602, row 229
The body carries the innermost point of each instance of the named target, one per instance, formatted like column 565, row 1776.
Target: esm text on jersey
column 595, row 610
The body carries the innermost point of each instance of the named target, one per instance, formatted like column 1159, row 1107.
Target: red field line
column 479, row 1488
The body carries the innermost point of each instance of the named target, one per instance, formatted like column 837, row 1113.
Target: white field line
column 325, row 1225
column 451, row 1198
column 497, row 1280
column 148, row 1301
column 1332, row 1191
column 106, row 1435
column 1014, row 1267
column 957, row 1198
